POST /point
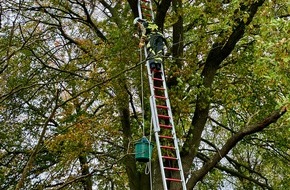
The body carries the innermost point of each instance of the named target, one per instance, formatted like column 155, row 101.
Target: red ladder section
column 146, row 10
column 165, row 134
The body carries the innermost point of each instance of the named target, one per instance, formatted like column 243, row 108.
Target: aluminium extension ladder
column 164, row 130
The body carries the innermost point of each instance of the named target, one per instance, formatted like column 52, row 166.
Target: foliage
column 74, row 93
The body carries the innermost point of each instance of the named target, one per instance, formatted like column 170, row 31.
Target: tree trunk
column 87, row 181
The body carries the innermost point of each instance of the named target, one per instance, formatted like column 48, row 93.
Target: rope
column 148, row 164
column 148, row 168
column 142, row 94
column 148, row 171
column 151, row 181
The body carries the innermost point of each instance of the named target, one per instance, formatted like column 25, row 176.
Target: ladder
column 164, row 130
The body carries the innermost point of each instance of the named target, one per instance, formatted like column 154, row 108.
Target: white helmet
column 136, row 20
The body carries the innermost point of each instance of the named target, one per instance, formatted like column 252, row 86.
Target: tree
column 71, row 94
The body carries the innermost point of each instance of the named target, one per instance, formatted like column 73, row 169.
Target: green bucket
column 143, row 150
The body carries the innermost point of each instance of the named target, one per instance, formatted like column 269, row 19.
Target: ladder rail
column 139, row 9
column 151, row 8
column 154, row 114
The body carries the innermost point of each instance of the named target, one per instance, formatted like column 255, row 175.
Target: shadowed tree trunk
column 87, row 181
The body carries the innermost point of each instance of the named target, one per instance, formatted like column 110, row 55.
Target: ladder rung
column 172, row 169
column 158, row 88
column 161, row 97
column 165, row 126
column 145, row 7
column 161, row 107
column 149, row 15
column 168, row 147
column 169, row 157
column 163, row 116
column 159, row 79
column 173, row 179
column 157, row 71
column 165, row 137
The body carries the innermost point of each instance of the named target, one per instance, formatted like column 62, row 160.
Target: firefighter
column 154, row 41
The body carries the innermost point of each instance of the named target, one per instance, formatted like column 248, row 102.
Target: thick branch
column 231, row 142
column 93, row 25
column 134, row 6
column 162, row 9
column 113, row 12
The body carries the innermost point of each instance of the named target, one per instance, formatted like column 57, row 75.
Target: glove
column 142, row 41
column 141, row 44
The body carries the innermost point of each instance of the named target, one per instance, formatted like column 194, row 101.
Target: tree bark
column 129, row 160
column 177, row 47
column 134, row 7
column 162, row 9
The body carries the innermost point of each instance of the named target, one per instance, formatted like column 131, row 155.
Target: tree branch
column 37, row 147
column 231, row 142
column 134, row 6
column 92, row 24
column 162, row 9
column 237, row 173
column 240, row 175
